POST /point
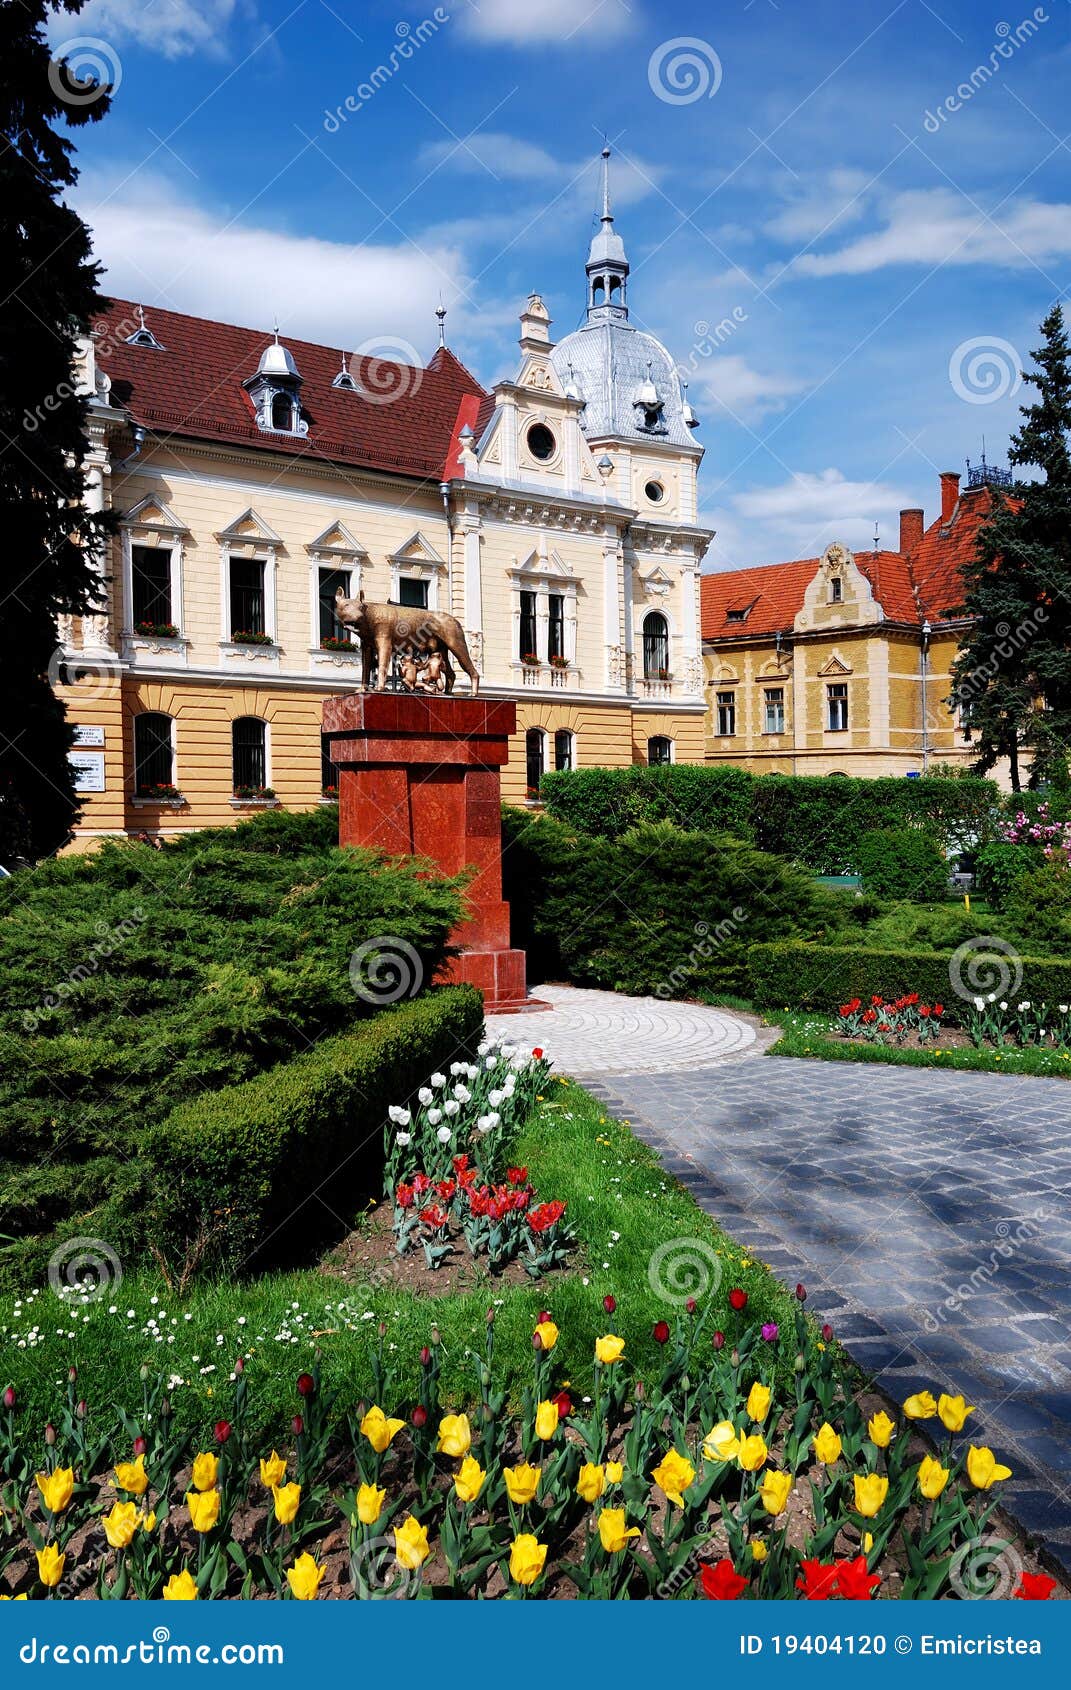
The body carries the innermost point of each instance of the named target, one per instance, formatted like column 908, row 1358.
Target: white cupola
column 276, row 391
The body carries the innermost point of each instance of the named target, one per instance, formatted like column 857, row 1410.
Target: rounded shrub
column 1039, row 908
column 999, row 868
column 902, row 862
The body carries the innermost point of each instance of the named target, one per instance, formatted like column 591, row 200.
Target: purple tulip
column 770, row 1331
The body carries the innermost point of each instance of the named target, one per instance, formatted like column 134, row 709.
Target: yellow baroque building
column 555, row 515
column 842, row 664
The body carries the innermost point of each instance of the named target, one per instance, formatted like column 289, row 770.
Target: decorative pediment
column 726, row 675
column 658, row 583
column 250, row 529
column 773, row 669
column 538, row 373
column 417, row 550
column 836, row 558
column 540, row 562
column 152, row 513
column 337, row 541
column 834, row 667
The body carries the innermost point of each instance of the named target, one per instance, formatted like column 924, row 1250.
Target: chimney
column 949, row 493
column 911, row 525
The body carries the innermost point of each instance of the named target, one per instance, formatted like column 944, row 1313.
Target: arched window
column 535, row 752
column 655, row 647
column 659, row 750
column 564, row 750
column 154, row 752
column 282, row 412
column 249, row 754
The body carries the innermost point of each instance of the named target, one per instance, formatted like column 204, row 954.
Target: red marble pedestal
column 419, row 776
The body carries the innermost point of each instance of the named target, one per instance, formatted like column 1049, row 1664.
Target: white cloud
column 936, row 225
column 157, row 247
column 171, row 27
column 522, row 23
column 494, row 153
column 800, row 516
column 815, row 207
column 727, row 379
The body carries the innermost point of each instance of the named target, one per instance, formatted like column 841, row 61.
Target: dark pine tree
column 1012, row 676
column 47, row 299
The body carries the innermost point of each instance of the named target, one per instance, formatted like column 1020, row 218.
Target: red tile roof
column 909, row 586
column 193, row 388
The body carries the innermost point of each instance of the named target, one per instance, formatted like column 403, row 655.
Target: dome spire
column 607, row 266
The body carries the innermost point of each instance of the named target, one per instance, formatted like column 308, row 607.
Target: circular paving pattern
column 590, row 1033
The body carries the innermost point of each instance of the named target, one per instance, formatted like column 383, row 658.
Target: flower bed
column 719, row 1482
column 989, row 1023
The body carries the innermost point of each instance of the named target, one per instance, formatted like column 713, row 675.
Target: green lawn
column 620, row 1202
column 808, row 1035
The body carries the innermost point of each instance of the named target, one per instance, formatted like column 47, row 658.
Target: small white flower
column 1023, row 1006
column 483, row 1048
column 1002, row 1006
column 444, row 1135
column 434, row 1117
column 451, row 1107
column 438, row 1080
column 979, row 1003
column 401, row 1116
column 1062, row 1007
column 404, row 1139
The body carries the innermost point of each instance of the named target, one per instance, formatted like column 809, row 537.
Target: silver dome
column 276, row 360
column 612, row 365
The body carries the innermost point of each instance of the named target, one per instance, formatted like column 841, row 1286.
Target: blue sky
column 871, row 199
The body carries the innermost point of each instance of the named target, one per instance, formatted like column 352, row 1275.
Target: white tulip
column 452, row 1107
column 438, row 1080
column 444, row 1135
column 404, row 1138
column 425, row 1095
column 434, row 1117
column 462, row 1093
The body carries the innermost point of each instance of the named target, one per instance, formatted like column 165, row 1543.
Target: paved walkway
column 929, row 1214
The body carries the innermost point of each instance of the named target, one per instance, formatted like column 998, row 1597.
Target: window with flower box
column 528, row 636
column 150, row 578
column 249, row 755
column 154, row 754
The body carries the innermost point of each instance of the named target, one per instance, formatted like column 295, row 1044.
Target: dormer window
column 143, row 335
column 737, row 615
column 836, row 590
column 275, row 391
column 282, row 413
column 344, row 378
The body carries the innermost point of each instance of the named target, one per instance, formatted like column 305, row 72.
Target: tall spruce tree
column 1012, row 675
column 48, row 296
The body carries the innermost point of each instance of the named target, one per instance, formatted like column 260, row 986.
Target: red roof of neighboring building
column 909, row 586
column 193, row 387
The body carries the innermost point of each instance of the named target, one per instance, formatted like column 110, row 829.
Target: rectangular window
column 837, row 701
column 329, row 625
column 150, row 570
column 563, row 750
column 249, row 748
column 556, row 630
column 775, row 710
column 328, row 770
column 836, row 590
column 413, row 592
column 247, row 595
column 726, row 702
column 528, row 626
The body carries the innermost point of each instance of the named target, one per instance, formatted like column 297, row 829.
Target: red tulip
column 801, row 1293
column 419, row 1416
column 827, row 1333
column 306, row 1385
column 737, row 1299
column 609, row 1304
column 854, row 1582
column 1035, row 1587
column 50, row 1434
column 818, row 1580
column 239, row 1367
column 297, row 1425
column 722, row 1583
column 691, row 1305
column 537, row 1052
column 719, row 1340
column 72, row 1373
column 425, row 1356
column 661, row 1332
column 9, row 1396
column 544, row 1314
column 564, row 1404
column 223, row 1431
column 140, row 1446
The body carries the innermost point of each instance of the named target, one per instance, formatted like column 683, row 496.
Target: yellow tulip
column 132, row 1477
column 827, row 1445
column 148, row 1521
column 287, row 1503
column 20, row 1598
column 379, row 1430
column 758, row 1549
column 609, row 1349
column 673, row 1475
column 880, row 1429
column 752, row 1452
column 522, row 1482
column 721, row 1442
column 50, row 1565
column 468, row 1481
column 548, row 1334
column 932, row 1477
column 56, row 1489
column 592, row 1481
column 121, row 1524
column 205, row 1472
column 613, row 1532
column 526, row 1559
column 775, row 1490
column 758, row 1402
column 983, row 1468
column 411, row 1547
column 272, row 1471
column 546, row 1423
column 455, row 1435
column 614, row 1472
column 304, row 1577
column 866, row 1542
column 180, row 1587
column 204, row 1509
column 922, row 1406
column 871, row 1490
column 370, row 1500
column 953, row 1412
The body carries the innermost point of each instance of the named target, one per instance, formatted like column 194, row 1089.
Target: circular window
column 655, row 492
column 541, row 442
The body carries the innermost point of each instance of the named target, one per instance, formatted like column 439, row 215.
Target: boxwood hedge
column 794, row 975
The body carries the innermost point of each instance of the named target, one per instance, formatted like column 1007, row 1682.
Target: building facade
column 555, row 515
column 842, row 664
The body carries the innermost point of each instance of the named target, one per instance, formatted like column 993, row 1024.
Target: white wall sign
column 88, row 735
column 88, row 769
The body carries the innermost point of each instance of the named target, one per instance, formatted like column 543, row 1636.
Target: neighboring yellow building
column 842, row 664
column 555, row 516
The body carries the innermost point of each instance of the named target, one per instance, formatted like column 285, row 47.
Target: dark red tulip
column 691, row 1305
column 737, row 1299
column 564, row 1404
column 9, row 1396
column 609, row 1303
column 239, row 1367
column 223, row 1431
column 140, row 1446
column 306, row 1385
column 297, row 1425
column 827, row 1333
column 420, row 1416
column 425, row 1356
column 801, row 1293
column 544, row 1314
column 719, row 1340
column 661, row 1332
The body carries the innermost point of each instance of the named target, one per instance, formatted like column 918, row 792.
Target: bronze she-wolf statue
column 384, row 629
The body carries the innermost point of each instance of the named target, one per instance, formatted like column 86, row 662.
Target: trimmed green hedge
column 266, row 1170
column 814, row 819
column 793, row 975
